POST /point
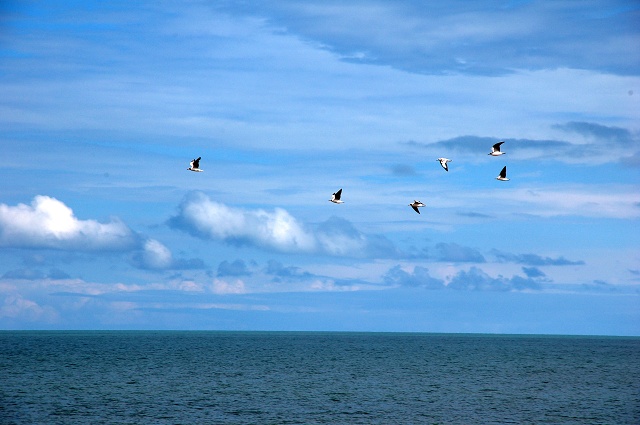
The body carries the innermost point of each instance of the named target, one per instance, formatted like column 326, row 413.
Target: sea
column 190, row 377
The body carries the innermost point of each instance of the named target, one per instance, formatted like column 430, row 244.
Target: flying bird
column 195, row 165
column 417, row 204
column 335, row 198
column 503, row 175
column 443, row 162
column 495, row 150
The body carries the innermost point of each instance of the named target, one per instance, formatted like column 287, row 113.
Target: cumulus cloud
column 236, row 268
column 420, row 277
column 275, row 230
column 477, row 280
column 156, row 256
column 338, row 236
column 49, row 223
column 204, row 218
column 276, row 268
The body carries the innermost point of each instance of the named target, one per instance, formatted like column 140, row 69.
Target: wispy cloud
column 609, row 136
column 436, row 39
column 598, row 144
column 535, row 259
column 458, row 254
column 35, row 274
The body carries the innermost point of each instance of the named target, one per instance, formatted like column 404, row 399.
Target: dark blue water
column 316, row 378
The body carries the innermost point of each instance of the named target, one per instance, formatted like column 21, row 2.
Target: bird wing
column 503, row 173
column 196, row 163
column 415, row 208
column 338, row 194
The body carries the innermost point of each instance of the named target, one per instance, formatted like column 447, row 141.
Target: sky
column 104, row 104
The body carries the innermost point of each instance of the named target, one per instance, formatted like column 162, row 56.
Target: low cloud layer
column 535, row 259
column 418, row 278
column 474, row 279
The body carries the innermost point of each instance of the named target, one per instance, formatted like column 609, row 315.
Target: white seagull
column 417, row 204
column 443, row 162
column 335, row 198
column 503, row 175
column 195, row 165
column 495, row 150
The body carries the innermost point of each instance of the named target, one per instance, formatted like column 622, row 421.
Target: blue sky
column 104, row 105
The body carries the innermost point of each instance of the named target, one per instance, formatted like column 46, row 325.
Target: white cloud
column 220, row 287
column 276, row 230
column 155, row 255
column 15, row 306
column 49, row 223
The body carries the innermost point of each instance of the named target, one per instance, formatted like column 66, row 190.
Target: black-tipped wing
column 337, row 195
column 415, row 209
column 496, row 147
column 196, row 163
column 503, row 173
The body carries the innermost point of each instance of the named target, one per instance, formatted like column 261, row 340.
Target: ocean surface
column 316, row 378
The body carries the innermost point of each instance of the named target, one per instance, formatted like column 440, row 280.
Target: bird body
column 194, row 165
column 495, row 150
column 335, row 198
column 416, row 204
column 443, row 162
